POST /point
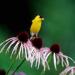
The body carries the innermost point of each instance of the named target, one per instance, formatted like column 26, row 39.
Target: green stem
column 43, row 72
column 18, row 66
column 10, row 67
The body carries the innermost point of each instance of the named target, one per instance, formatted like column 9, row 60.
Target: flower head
column 21, row 44
column 68, row 71
column 40, row 54
column 55, row 48
column 37, row 42
column 23, row 37
column 58, row 56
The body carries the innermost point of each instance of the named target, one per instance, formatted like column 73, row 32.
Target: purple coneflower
column 40, row 54
column 58, row 56
column 21, row 44
column 68, row 71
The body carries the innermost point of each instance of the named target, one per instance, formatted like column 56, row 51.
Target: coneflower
column 70, row 70
column 40, row 54
column 58, row 56
column 21, row 44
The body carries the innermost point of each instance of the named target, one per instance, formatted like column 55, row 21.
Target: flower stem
column 18, row 66
column 10, row 67
column 43, row 72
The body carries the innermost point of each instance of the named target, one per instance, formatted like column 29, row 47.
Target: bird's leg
column 36, row 34
column 32, row 35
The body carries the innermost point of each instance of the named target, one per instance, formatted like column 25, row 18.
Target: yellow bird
column 36, row 25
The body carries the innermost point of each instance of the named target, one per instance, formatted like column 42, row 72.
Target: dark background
column 16, row 15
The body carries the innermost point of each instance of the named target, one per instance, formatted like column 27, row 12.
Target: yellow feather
column 36, row 24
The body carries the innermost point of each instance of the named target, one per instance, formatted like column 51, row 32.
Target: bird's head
column 38, row 18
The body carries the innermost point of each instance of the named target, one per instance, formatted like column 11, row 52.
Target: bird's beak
column 42, row 18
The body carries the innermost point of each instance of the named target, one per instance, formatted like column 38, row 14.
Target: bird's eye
column 41, row 17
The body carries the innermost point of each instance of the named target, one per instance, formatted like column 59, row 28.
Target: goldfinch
column 36, row 25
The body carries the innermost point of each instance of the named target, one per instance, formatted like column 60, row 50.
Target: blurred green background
column 58, row 27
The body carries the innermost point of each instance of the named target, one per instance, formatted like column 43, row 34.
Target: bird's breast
column 35, row 27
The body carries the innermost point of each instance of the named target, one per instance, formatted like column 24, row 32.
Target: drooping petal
column 44, row 65
column 39, row 58
column 4, row 46
column 62, row 61
column 10, row 39
column 47, row 65
column 22, row 49
column 10, row 45
column 58, row 59
column 15, row 48
column 26, row 53
column 72, row 72
column 19, row 52
column 54, row 57
column 66, row 71
column 67, row 57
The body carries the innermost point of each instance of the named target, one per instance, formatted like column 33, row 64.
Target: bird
column 36, row 25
